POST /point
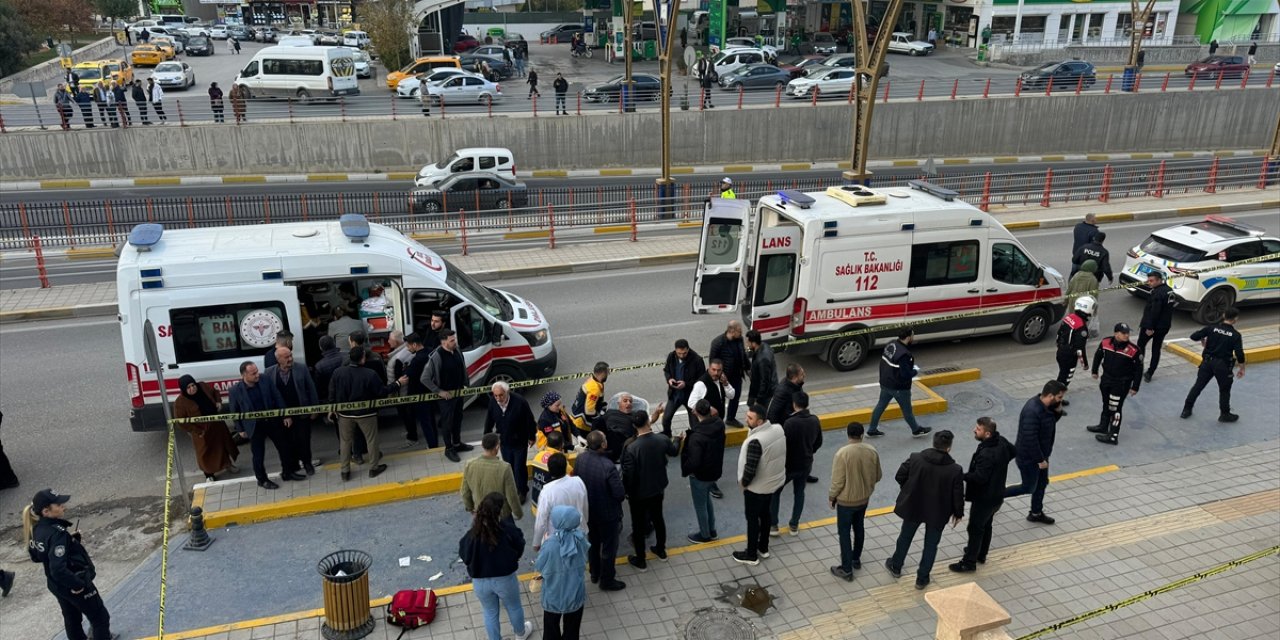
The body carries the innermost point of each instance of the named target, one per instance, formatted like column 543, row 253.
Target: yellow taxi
column 147, row 55
column 166, row 46
column 107, row 70
column 422, row 65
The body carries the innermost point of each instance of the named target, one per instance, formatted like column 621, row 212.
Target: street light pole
column 870, row 59
column 628, row 104
column 666, row 185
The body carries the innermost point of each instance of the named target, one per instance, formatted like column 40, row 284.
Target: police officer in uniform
column 726, row 189
column 1073, row 334
column 1157, row 317
column 1096, row 252
column 1223, row 349
column 1121, row 363
column 67, row 568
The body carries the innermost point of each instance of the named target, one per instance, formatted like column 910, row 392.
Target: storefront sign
column 716, row 19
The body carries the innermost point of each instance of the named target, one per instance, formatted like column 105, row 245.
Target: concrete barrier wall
column 1030, row 125
column 51, row 71
column 1268, row 53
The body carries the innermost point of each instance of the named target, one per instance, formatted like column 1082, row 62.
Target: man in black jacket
column 984, row 487
column 331, row 357
column 683, row 368
column 932, row 492
column 509, row 414
column 644, row 475
column 1094, row 250
column 702, row 461
column 1157, row 318
column 803, row 432
column 897, row 368
column 1037, row 430
column 1083, row 232
column 780, row 407
column 358, row 383
column 617, row 425
column 1121, row 363
column 68, row 570
column 446, row 374
column 604, row 499
column 764, row 370
column 729, row 349
column 423, row 412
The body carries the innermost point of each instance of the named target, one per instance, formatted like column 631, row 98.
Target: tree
column 16, row 40
column 115, row 9
column 50, row 17
column 388, row 23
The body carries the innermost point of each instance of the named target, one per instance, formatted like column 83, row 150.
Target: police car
column 1194, row 256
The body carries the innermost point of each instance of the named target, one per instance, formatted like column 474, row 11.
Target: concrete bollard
column 966, row 612
column 200, row 539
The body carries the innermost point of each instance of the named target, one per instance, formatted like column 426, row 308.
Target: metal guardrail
column 99, row 222
column 184, row 109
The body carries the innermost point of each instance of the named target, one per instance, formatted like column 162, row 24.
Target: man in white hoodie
column 156, row 95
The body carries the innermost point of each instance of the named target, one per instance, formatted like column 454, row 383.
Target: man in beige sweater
column 490, row 474
column 854, row 474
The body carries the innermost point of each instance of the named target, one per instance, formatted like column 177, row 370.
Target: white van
column 300, row 72
column 355, row 39
column 802, row 265
column 487, row 159
column 218, row 296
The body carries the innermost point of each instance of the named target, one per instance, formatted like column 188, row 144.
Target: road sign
column 64, row 50
column 29, row 90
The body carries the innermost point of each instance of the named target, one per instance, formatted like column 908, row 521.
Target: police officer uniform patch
column 59, row 551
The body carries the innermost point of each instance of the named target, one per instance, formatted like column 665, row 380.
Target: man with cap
column 1223, row 349
column 1157, row 318
column 726, row 189
column 67, row 568
column 1121, row 363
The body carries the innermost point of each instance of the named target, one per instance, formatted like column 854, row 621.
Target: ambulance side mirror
column 496, row 334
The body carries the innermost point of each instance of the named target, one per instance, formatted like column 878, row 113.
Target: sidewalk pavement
column 1097, row 554
column 97, row 299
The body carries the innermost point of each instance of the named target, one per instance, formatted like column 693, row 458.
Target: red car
column 465, row 43
column 1216, row 66
column 798, row 67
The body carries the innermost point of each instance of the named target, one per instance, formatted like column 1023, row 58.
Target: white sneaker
column 528, row 630
column 774, row 533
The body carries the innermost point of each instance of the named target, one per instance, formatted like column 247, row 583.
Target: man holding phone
column 67, row 568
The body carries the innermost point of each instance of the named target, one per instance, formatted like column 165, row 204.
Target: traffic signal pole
column 666, row 185
column 870, row 59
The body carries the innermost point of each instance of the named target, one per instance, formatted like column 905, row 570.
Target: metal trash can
column 346, row 595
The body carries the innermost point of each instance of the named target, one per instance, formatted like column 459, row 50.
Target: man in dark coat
column 298, row 390
column 984, row 487
column 764, row 370
column 932, row 492
column 1083, row 232
column 729, row 349
column 1037, row 430
column 1093, row 250
column 702, row 461
column 644, row 475
column 509, row 414
column 781, row 406
column 604, row 499
column 446, row 374
column 356, row 382
column 1157, row 318
column 250, row 394
column 897, row 368
column 617, row 425
column 68, row 570
column 331, row 357
column 803, row 431
column 683, row 368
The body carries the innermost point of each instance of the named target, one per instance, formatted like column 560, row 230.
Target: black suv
column 1063, row 75
column 199, row 46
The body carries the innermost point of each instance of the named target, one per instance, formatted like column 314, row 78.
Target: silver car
column 461, row 89
column 174, row 75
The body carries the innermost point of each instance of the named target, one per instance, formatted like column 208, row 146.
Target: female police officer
column 67, row 569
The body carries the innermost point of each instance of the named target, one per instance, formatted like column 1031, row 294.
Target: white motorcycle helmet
column 1086, row 304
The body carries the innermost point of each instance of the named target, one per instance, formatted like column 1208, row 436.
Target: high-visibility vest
column 728, row 194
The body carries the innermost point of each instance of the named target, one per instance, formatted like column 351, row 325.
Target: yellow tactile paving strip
column 881, row 602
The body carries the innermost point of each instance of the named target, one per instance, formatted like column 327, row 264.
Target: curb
column 405, row 176
column 54, row 313
column 446, row 483
column 1267, row 353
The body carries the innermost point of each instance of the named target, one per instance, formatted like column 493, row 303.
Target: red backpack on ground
column 412, row 608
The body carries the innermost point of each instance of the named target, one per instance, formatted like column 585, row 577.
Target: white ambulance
column 802, row 265
column 217, row 297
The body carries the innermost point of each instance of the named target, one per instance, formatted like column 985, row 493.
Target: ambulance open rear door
column 723, row 256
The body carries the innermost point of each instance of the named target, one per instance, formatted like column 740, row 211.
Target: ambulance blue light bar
column 145, row 236
column 153, row 284
column 274, row 274
column 152, row 272
column 359, row 269
column 354, row 226
column 933, row 189
column 798, row 198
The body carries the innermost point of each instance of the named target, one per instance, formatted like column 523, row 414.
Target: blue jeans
column 702, row 505
column 850, row 518
column 505, row 590
column 932, row 536
column 797, row 480
column 903, row 396
column 1034, row 481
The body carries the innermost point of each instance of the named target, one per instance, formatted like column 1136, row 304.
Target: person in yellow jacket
column 590, row 401
column 554, row 443
column 726, row 189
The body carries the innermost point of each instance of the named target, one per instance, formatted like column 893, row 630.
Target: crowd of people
column 106, row 103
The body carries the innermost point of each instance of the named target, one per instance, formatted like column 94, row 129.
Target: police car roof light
column 798, row 198
column 145, row 236
column 1228, row 221
column 354, row 226
column 933, row 189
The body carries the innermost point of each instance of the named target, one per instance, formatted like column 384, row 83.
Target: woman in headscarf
column 491, row 551
column 554, row 418
column 215, row 452
column 562, row 561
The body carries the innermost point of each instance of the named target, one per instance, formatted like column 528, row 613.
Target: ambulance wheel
column 1214, row 305
column 1032, row 326
column 847, row 354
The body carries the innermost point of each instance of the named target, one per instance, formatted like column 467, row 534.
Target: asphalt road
column 942, row 75
column 67, row 425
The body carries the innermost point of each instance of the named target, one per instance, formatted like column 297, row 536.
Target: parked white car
column 750, row 43
column 731, row 60
column 411, row 87
column 174, row 75
column 218, row 32
column 364, row 64
column 902, row 42
column 827, row 81
column 463, row 89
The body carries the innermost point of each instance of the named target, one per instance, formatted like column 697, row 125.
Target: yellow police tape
column 164, row 537
column 473, row 391
column 1146, row 595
